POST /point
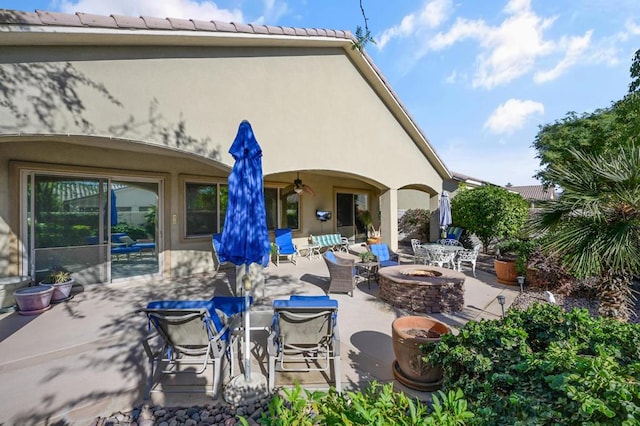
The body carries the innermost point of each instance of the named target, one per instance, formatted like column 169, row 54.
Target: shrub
column 545, row 366
column 414, row 223
column 377, row 404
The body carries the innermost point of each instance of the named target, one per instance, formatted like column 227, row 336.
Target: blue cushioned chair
column 454, row 233
column 191, row 332
column 304, row 337
column 384, row 256
column 285, row 246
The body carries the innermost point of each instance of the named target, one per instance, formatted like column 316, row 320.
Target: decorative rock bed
column 420, row 288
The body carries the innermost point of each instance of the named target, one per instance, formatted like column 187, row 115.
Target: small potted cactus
column 61, row 281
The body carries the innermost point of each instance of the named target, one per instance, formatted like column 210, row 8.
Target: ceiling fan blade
column 308, row 190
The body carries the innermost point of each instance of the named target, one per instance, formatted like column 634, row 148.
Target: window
column 291, row 207
column 206, row 207
column 202, row 209
column 271, row 206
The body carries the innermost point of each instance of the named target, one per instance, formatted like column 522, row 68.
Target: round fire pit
column 421, row 288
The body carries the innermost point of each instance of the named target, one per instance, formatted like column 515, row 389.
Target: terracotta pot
column 506, row 271
column 33, row 300
column 408, row 335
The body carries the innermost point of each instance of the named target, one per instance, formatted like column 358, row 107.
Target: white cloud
column 574, row 48
column 185, row 9
column 432, row 15
column 451, row 78
column 513, row 47
column 273, row 11
column 512, row 115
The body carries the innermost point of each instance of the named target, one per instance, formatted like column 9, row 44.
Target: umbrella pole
column 246, row 281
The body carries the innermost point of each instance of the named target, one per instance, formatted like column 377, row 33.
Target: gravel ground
column 567, row 302
column 223, row 415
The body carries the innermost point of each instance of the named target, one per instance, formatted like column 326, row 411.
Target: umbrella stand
column 249, row 387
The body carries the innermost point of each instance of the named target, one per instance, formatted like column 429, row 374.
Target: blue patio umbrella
column 445, row 212
column 245, row 238
column 114, row 210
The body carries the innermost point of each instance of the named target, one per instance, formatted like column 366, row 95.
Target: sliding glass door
column 349, row 207
column 97, row 228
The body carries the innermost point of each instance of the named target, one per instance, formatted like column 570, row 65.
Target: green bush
column 545, row 366
column 414, row 223
column 376, row 405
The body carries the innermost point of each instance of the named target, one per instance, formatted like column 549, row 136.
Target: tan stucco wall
column 310, row 110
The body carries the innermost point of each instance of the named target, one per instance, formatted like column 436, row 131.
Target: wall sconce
column 501, row 302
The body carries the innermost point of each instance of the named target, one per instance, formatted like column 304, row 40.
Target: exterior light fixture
column 501, row 302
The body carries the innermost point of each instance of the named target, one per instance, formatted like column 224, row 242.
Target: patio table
column 312, row 251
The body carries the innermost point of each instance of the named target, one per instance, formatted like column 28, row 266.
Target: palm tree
column 595, row 223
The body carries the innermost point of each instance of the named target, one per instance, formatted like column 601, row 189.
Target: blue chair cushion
column 454, row 232
column 284, row 241
column 381, row 251
column 386, row 263
column 330, row 256
column 228, row 305
column 306, row 302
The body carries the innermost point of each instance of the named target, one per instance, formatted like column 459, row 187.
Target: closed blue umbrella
column 245, row 238
column 114, row 209
column 445, row 212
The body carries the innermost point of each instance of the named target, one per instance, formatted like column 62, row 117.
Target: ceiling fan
column 300, row 188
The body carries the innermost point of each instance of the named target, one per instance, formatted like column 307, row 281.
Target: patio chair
column 285, row 246
column 468, row 256
column 438, row 256
column 342, row 274
column 383, row 255
column 142, row 246
column 190, row 333
column 304, row 337
column 420, row 254
column 454, row 233
column 449, row 242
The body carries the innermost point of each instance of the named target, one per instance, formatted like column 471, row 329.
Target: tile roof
column 42, row 17
column 534, row 192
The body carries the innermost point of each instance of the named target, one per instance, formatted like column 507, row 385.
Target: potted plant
column 33, row 300
column 411, row 336
column 366, row 256
column 505, row 262
column 61, row 281
column 373, row 234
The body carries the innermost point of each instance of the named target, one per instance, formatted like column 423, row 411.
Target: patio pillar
column 434, row 223
column 389, row 217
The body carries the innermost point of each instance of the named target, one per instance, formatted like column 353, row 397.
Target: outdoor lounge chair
column 342, row 273
column 304, row 337
column 453, row 233
column 285, row 246
column 190, row 333
column 384, row 256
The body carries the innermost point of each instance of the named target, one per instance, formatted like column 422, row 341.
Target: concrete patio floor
column 83, row 358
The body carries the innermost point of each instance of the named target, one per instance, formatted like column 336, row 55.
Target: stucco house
column 153, row 105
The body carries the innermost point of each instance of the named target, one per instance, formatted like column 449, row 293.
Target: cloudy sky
column 478, row 77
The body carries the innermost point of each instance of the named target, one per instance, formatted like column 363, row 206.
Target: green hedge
column 545, row 366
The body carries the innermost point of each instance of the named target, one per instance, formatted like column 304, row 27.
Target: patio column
column 434, row 223
column 389, row 217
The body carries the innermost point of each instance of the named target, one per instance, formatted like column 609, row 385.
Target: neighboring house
column 155, row 104
column 534, row 193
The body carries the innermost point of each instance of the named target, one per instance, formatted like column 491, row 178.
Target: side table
column 368, row 270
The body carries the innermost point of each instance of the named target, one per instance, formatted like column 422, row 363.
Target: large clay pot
column 408, row 335
column 506, row 271
column 33, row 300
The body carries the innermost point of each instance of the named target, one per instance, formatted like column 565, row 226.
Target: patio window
column 206, row 207
column 202, row 216
column 291, row 209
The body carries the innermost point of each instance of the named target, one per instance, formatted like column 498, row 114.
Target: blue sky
column 478, row 77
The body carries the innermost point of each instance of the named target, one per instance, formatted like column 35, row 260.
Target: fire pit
column 420, row 288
